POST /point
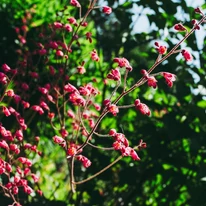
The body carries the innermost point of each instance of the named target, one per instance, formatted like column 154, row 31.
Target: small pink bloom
column 107, row 9
column 186, row 54
column 152, row 82
column 123, row 62
column 59, row 53
column 68, row 27
column 72, row 150
column 59, row 140
column 143, row 108
column 94, row 56
column 112, row 132
column 81, row 69
column 113, row 109
column 6, row 111
column 198, row 10
column 69, row 88
column 10, row 92
column 86, row 162
column 3, row 144
column 75, row 3
column 5, row 68
column 58, row 25
column 117, row 145
column 179, row 27
column 162, row 49
column 169, row 78
column 71, row 114
column 114, row 75
column 72, row 20
column 134, row 155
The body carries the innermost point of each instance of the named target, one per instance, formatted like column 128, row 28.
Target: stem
column 98, row 173
column 103, row 148
column 72, row 175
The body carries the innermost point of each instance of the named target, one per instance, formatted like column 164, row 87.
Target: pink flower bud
column 59, row 53
column 186, row 54
column 179, row 27
column 68, row 27
column 5, row 68
column 57, row 25
column 113, row 109
column 75, row 3
column 114, row 75
column 107, row 10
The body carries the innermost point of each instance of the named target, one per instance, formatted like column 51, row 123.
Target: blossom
column 186, row 54
column 152, row 82
column 143, row 108
column 113, row 109
column 162, row 49
column 123, row 62
column 5, row 68
column 169, row 78
column 114, row 75
column 179, row 27
column 75, row 3
column 59, row 140
column 94, row 55
column 68, row 27
column 107, row 10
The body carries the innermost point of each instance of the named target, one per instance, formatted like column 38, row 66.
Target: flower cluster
column 121, row 143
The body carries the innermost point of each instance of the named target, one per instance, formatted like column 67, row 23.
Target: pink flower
column 179, row 27
column 59, row 140
column 77, row 99
column 107, row 9
column 94, row 56
column 70, row 88
column 123, row 62
column 72, row 20
column 186, row 54
column 143, row 108
column 58, row 25
column 68, row 28
column 113, row 109
column 152, row 82
column 75, row 3
column 81, row 69
column 6, row 111
column 134, row 155
column 117, row 145
column 161, row 49
column 114, row 75
column 112, row 132
column 169, row 78
column 59, row 53
column 5, row 68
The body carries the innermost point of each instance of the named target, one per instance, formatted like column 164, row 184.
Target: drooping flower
column 152, row 82
column 123, row 62
column 169, row 78
column 143, row 108
column 179, row 27
column 186, row 54
column 113, row 109
column 107, row 10
column 114, row 75
column 75, row 3
column 94, row 55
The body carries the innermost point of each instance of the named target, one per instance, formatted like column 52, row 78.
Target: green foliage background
column 173, row 166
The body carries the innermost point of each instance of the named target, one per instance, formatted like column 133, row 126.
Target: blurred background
column 172, row 170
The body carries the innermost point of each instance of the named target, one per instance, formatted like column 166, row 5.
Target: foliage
column 171, row 169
